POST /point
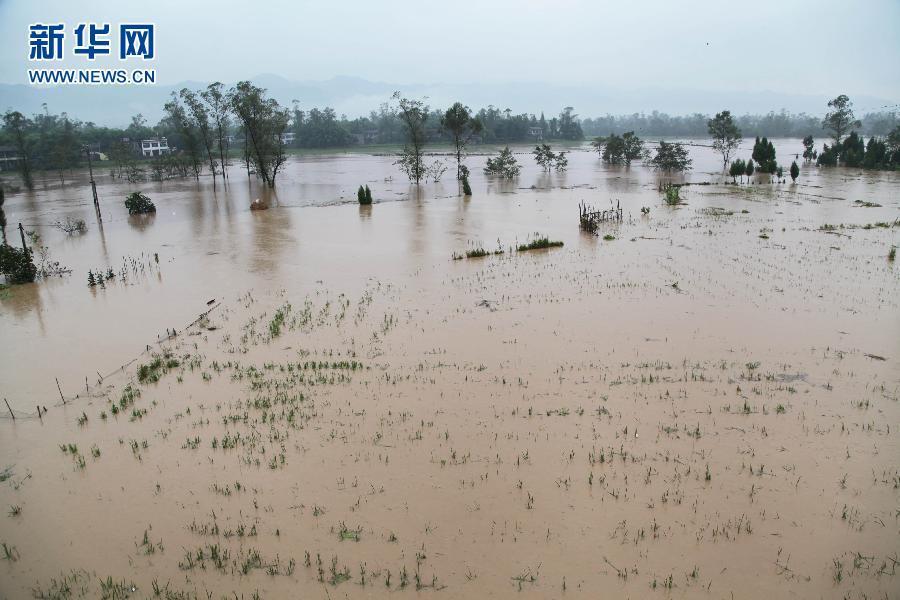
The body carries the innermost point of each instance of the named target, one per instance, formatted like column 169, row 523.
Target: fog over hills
column 354, row 96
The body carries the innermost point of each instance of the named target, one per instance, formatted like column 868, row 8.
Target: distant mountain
column 353, row 96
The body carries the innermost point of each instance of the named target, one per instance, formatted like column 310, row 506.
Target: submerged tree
column 199, row 115
column 139, row 204
column 413, row 114
column 840, row 120
column 852, row 150
column 122, row 158
column 505, row 164
column 219, row 110
column 623, row 149
column 561, row 163
column 16, row 126
column 264, row 121
column 364, row 195
column 545, row 156
column 184, row 125
column 459, row 123
column 737, row 169
column 795, row 171
column 809, row 152
column 671, row 157
column 725, row 135
column 828, row 157
column 64, row 154
column 764, row 155
column 17, row 264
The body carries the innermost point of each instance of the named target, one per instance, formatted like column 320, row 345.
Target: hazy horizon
column 617, row 58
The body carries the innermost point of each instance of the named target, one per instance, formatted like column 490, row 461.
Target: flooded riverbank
column 705, row 403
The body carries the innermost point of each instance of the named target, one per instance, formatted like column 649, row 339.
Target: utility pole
column 87, row 150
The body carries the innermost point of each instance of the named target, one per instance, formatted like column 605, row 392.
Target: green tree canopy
column 725, row 135
column 840, row 120
column 459, row 123
column 623, row 149
column 672, row 157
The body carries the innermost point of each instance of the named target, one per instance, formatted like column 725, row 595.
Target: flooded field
column 701, row 401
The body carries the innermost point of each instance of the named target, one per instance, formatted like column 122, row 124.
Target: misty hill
column 353, row 96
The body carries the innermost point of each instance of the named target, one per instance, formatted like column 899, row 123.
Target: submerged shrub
column 671, row 157
column 539, row 242
column 152, row 372
column 505, row 164
column 364, row 195
column 738, row 167
column 672, row 194
column 71, row 226
column 17, row 264
column 139, row 204
column 467, row 189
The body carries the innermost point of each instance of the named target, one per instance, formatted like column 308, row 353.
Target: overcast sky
column 789, row 46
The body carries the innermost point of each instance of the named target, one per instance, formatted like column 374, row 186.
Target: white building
column 154, row 147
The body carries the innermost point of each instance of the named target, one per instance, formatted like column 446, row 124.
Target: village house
column 154, row 147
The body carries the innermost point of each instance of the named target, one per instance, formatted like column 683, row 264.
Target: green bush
column 17, row 264
column 538, row 243
column 364, row 195
column 139, row 204
column 467, row 189
column 505, row 164
column 672, row 194
column 738, row 167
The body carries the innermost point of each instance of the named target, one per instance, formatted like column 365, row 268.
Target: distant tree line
column 325, row 129
column 771, row 125
column 53, row 141
column 208, row 126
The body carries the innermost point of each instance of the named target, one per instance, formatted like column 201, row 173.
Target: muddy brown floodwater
column 704, row 405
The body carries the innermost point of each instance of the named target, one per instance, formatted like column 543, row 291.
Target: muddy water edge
column 705, row 402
